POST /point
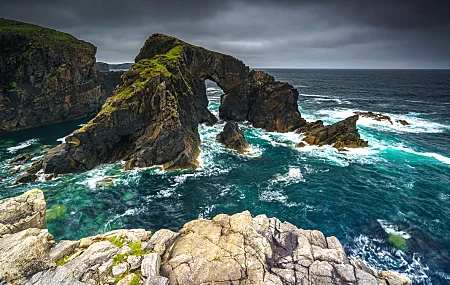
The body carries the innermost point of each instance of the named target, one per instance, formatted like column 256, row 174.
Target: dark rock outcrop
column 46, row 77
column 153, row 118
column 340, row 135
column 266, row 103
column 381, row 117
column 101, row 66
column 232, row 137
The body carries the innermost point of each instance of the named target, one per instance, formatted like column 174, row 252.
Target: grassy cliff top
column 39, row 35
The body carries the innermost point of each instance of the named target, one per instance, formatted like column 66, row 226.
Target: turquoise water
column 399, row 185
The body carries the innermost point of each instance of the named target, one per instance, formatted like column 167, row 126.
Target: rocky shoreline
column 237, row 249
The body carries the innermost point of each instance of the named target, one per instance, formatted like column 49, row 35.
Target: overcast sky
column 303, row 34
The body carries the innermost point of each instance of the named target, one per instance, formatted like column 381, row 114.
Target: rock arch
column 153, row 118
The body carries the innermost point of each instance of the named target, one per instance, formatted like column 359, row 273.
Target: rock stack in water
column 232, row 137
column 47, row 77
column 237, row 249
column 340, row 135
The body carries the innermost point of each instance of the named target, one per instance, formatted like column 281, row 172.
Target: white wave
column 276, row 195
column 22, row 145
column 417, row 125
column 371, row 251
column 301, row 86
column 390, row 228
column 436, row 156
column 207, row 210
column 63, row 139
column 353, row 155
column 314, row 95
column 294, row 175
column 337, row 100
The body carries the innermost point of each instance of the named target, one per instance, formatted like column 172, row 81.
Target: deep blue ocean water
column 399, row 185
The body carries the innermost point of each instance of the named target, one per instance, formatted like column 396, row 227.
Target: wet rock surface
column 381, row 117
column 264, row 102
column 46, row 77
column 340, row 135
column 237, row 249
column 232, row 137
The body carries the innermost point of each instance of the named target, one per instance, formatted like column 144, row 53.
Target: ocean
column 398, row 186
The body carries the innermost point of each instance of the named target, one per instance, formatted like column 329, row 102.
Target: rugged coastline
column 47, row 76
column 237, row 249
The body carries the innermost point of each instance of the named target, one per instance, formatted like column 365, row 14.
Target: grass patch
column 117, row 241
column 137, row 250
column 64, row 260
column 119, row 258
column 135, row 280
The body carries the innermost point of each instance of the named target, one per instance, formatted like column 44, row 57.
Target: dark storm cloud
column 283, row 33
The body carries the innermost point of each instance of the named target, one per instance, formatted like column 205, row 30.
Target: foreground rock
column 340, row 135
column 46, row 77
column 381, row 117
column 232, row 137
column 22, row 212
column 237, row 249
column 153, row 118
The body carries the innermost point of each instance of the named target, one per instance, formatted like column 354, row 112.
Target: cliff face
column 46, row 77
column 237, row 249
column 153, row 118
column 268, row 104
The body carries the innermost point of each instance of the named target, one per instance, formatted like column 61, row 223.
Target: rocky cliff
column 153, row 118
column 237, row 249
column 46, row 77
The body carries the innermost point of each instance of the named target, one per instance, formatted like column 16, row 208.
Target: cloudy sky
column 281, row 33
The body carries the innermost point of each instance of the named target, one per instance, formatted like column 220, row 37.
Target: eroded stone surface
column 22, row 212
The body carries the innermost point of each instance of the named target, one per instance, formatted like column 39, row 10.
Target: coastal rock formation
column 46, row 77
column 266, row 103
column 340, row 135
column 232, row 137
column 237, row 249
column 22, row 212
column 153, row 118
column 381, row 117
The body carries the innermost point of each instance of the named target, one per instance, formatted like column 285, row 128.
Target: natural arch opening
column 213, row 94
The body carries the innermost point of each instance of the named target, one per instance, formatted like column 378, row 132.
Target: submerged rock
column 232, row 137
column 340, row 135
column 153, row 118
column 22, row 158
column 226, row 250
column 46, row 77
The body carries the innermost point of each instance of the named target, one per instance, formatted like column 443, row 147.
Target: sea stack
column 233, row 138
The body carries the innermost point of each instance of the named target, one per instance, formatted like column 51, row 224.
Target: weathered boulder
column 266, row 103
column 22, row 212
column 260, row 250
column 46, row 77
column 340, row 135
column 232, row 137
column 24, row 253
